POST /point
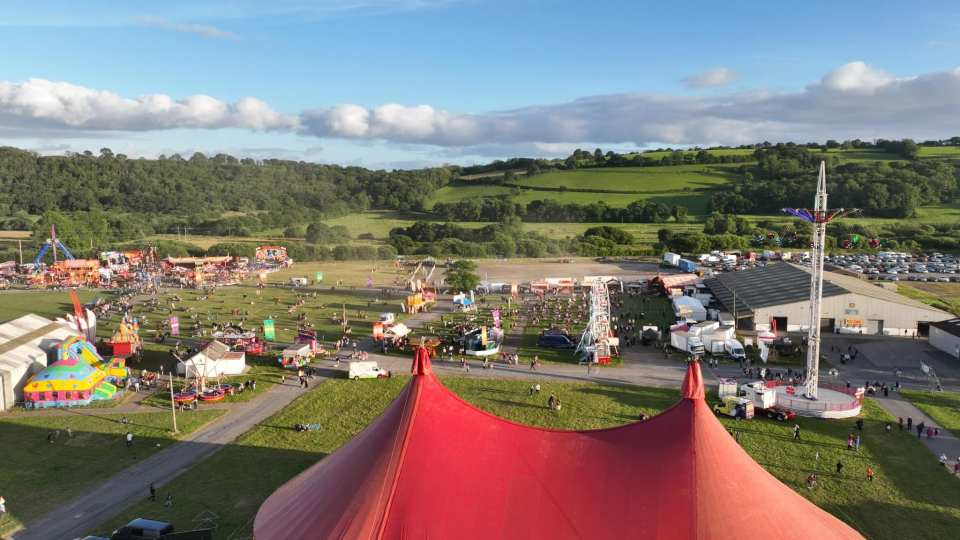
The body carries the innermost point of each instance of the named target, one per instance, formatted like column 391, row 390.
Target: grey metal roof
column 771, row 285
column 951, row 327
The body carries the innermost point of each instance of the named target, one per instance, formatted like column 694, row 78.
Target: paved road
column 641, row 366
column 79, row 516
column 944, row 444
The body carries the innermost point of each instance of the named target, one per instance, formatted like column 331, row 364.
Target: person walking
column 860, row 424
column 796, row 432
column 900, row 422
column 850, row 442
column 129, row 437
column 153, row 492
column 839, row 467
column 909, row 423
column 856, row 443
column 920, row 430
column 869, row 474
column 3, row 505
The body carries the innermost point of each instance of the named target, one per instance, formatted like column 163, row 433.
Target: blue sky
column 496, row 78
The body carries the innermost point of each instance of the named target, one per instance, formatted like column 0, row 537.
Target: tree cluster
column 550, row 211
column 784, row 176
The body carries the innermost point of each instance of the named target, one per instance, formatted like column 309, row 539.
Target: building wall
column 944, row 341
column 848, row 310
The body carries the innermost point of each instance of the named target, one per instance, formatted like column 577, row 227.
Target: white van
column 366, row 370
column 299, row 282
column 734, row 349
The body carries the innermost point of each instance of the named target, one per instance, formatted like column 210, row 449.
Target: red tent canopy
column 434, row 466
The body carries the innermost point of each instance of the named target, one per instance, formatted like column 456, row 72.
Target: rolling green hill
column 686, row 185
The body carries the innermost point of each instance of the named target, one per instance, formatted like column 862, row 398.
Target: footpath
column 944, row 444
column 75, row 518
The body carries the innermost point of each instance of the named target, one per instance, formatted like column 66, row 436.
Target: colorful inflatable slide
column 78, row 377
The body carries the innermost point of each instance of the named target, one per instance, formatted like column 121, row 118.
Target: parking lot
column 893, row 266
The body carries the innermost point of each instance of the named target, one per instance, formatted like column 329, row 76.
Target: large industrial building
column 777, row 297
column 945, row 335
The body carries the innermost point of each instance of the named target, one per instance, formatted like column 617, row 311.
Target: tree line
column 550, row 211
column 782, row 178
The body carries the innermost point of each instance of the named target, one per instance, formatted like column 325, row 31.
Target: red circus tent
column 434, row 466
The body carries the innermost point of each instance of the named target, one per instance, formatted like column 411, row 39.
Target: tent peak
column 421, row 362
column 693, row 382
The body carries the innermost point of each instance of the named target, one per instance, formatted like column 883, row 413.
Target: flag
column 483, row 336
column 496, row 318
column 174, row 326
column 319, row 276
column 269, row 331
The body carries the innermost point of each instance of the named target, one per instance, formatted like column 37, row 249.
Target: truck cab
column 735, row 407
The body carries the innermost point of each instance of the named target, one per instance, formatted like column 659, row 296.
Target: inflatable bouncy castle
column 77, row 377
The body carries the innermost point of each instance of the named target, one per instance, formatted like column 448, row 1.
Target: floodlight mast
column 819, row 217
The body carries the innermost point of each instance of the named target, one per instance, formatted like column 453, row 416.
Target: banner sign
column 496, row 318
column 269, row 332
column 174, row 326
column 319, row 276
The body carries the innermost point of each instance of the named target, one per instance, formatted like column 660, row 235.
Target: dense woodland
column 197, row 191
column 895, row 189
column 100, row 200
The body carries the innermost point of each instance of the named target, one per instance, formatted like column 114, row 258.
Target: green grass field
column 912, row 497
column 659, row 154
column 639, row 179
column 49, row 304
column 943, row 407
column 938, row 152
column 681, row 185
column 322, row 311
column 945, row 296
column 38, row 475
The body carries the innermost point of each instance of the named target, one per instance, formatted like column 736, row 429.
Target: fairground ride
column 820, row 216
column 595, row 341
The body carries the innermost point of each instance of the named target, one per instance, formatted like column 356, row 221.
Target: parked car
column 555, row 341
column 142, row 529
column 776, row 413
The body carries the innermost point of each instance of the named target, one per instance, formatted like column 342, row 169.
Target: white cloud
column 203, row 30
column 854, row 100
column 38, row 103
column 720, row 76
column 856, row 77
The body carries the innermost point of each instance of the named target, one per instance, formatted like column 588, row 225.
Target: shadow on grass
column 42, row 475
column 879, row 520
column 231, row 483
